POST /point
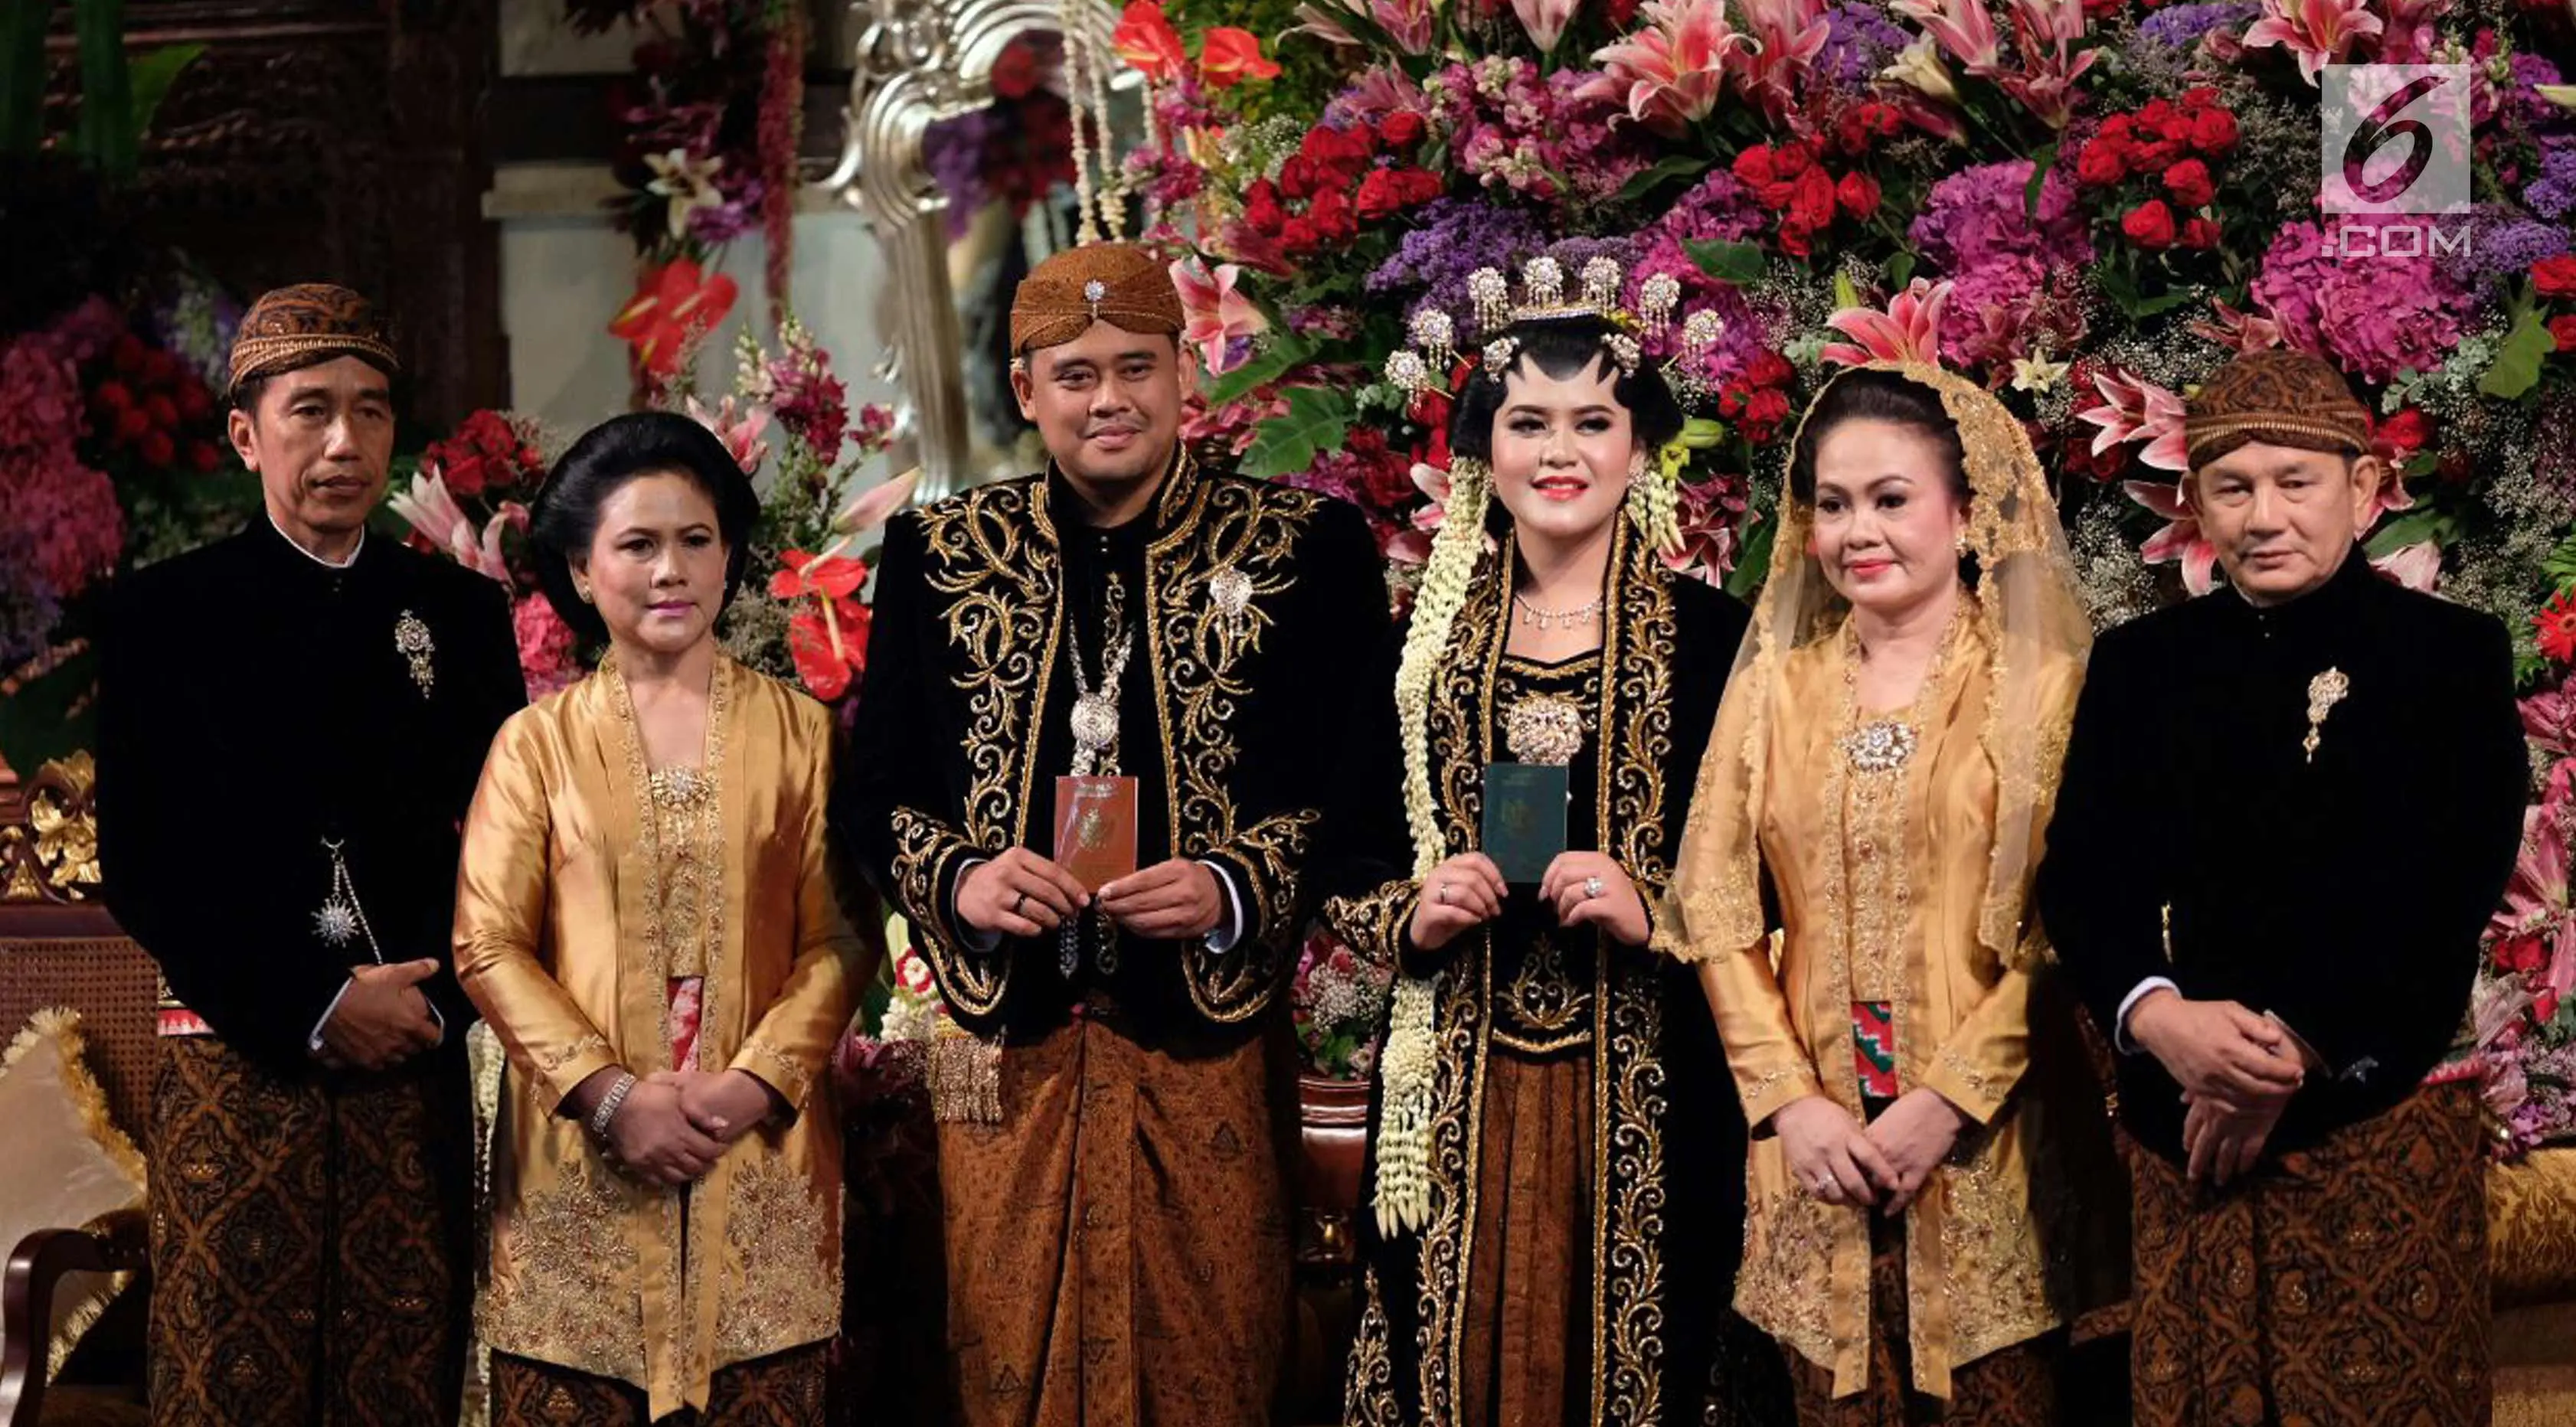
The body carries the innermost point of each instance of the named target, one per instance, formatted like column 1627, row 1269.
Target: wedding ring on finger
column 1445, row 891
column 1018, row 902
column 1591, row 888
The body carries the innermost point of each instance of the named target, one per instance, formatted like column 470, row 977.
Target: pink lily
column 2319, row 32
column 1544, row 20
column 1218, row 314
column 432, row 510
column 2141, row 411
column 2237, row 331
column 2549, row 720
column 1908, row 331
column 1787, row 36
column 2180, row 539
column 1410, row 23
column 1434, row 483
column 2409, row 37
column 1708, row 547
column 739, row 433
column 1668, row 73
column 2535, row 900
column 871, row 506
column 1963, row 27
column 2417, row 566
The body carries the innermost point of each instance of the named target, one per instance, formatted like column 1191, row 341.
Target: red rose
column 2198, row 98
column 131, row 423
column 2190, row 184
column 2150, row 225
column 467, row 476
column 1300, row 177
column 2405, row 433
column 111, row 396
column 1297, row 235
column 1401, row 129
column 194, row 402
column 204, row 456
column 2155, row 115
column 2101, row 163
column 1342, row 150
column 2555, row 277
column 127, row 353
column 1381, row 194
column 1769, row 368
column 1763, row 413
column 1792, row 159
column 2156, row 154
column 1813, row 205
column 163, row 411
column 1858, row 194
column 1332, row 216
column 2119, row 129
column 156, row 448
column 2564, row 330
column 1754, row 167
column 2200, row 234
column 1420, row 185
column 1796, row 238
column 2213, row 131
column 1261, row 210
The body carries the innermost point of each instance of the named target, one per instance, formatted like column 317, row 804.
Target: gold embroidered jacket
column 1253, row 597
column 1878, row 899
column 1667, row 1169
column 560, row 919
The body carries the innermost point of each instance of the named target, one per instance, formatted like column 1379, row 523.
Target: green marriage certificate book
column 1525, row 818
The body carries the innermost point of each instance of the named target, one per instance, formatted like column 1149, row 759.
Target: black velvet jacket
column 2344, row 893
column 1249, row 600
column 252, row 704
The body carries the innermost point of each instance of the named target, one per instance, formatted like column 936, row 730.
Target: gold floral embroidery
column 972, row 981
column 1247, row 535
column 1629, row 1185
column 579, row 1046
column 786, row 1288
column 1003, row 614
column 565, row 1287
column 1788, row 1240
column 786, row 1074
column 1542, row 1009
column 1372, row 924
column 1368, row 1393
column 1994, row 1270
column 1970, row 1075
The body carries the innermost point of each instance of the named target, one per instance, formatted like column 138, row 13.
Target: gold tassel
column 965, row 1077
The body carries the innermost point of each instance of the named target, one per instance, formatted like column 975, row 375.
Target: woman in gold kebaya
column 646, row 919
column 1557, row 1154
column 1881, row 774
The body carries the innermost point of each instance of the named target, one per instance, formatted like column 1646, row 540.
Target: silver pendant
column 1231, row 589
column 336, row 922
column 1095, row 722
column 1881, row 747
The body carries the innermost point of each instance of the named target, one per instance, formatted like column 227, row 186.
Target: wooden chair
column 59, row 947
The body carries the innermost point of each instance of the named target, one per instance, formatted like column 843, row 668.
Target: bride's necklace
column 1574, row 618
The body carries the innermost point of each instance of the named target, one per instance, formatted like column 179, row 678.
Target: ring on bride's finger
column 1591, row 887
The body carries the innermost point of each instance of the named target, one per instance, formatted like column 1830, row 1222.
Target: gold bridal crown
column 1545, row 297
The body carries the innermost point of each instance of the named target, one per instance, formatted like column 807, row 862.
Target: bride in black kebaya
column 1556, row 1168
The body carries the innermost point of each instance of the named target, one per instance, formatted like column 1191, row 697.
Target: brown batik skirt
column 1525, row 1349
column 2346, row 1283
column 781, row 1390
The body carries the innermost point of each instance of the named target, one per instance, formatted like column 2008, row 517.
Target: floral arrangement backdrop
column 2085, row 204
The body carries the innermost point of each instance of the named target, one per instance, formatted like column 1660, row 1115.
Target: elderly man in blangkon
column 1096, row 717
column 2245, row 773
column 292, row 720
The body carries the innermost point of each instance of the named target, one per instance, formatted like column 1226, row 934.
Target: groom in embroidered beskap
column 291, row 724
column 1165, row 637
column 2289, row 811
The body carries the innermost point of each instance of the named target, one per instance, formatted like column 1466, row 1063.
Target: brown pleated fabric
column 2347, row 1283
column 781, row 1390
column 307, row 1239
column 1118, row 1246
column 2011, row 1387
column 1525, row 1350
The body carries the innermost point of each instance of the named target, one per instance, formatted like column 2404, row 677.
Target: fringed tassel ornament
column 965, row 1077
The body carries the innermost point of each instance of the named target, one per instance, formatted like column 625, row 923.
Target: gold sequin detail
column 783, row 1293
column 565, row 1286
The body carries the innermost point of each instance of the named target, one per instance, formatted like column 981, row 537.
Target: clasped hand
column 1024, row 895
column 1883, row 1165
column 1468, row 890
column 2237, row 1070
column 382, row 1019
column 674, row 1125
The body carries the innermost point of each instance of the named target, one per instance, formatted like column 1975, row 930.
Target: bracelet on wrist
column 605, row 1113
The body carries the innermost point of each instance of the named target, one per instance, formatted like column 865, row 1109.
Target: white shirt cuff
column 1230, row 931
column 2120, row 1034
column 313, row 1042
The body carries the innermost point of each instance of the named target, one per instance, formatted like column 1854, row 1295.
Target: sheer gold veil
column 2026, row 605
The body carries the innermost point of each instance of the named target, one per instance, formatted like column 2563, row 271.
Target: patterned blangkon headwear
column 1117, row 283
column 308, row 322
column 2282, row 398
column 2024, row 605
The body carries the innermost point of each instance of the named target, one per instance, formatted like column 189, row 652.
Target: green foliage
column 1739, row 263
column 2517, row 363
column 1316, row 421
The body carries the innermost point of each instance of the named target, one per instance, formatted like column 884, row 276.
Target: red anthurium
column 825, row 576
column 829, row 646
column 675, row 300
column 1228, row 56
column 1147, row 41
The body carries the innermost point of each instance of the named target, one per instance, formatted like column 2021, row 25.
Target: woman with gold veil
column 1876, row 788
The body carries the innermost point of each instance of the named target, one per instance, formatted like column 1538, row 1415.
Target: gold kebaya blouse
column 1879, row 875
column 568, row 932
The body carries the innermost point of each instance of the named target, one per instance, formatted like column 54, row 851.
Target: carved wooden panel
column 334, row 140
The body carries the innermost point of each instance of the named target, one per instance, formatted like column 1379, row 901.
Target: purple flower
column 2502, row 248
column 2180, row 25
column 2375, row 316
column 1861, row 42
column 1456, row 237
column 1981, row 214
column 2553, row 194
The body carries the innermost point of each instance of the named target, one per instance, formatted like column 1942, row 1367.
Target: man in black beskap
column 292, row 722
column 2289, row 809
